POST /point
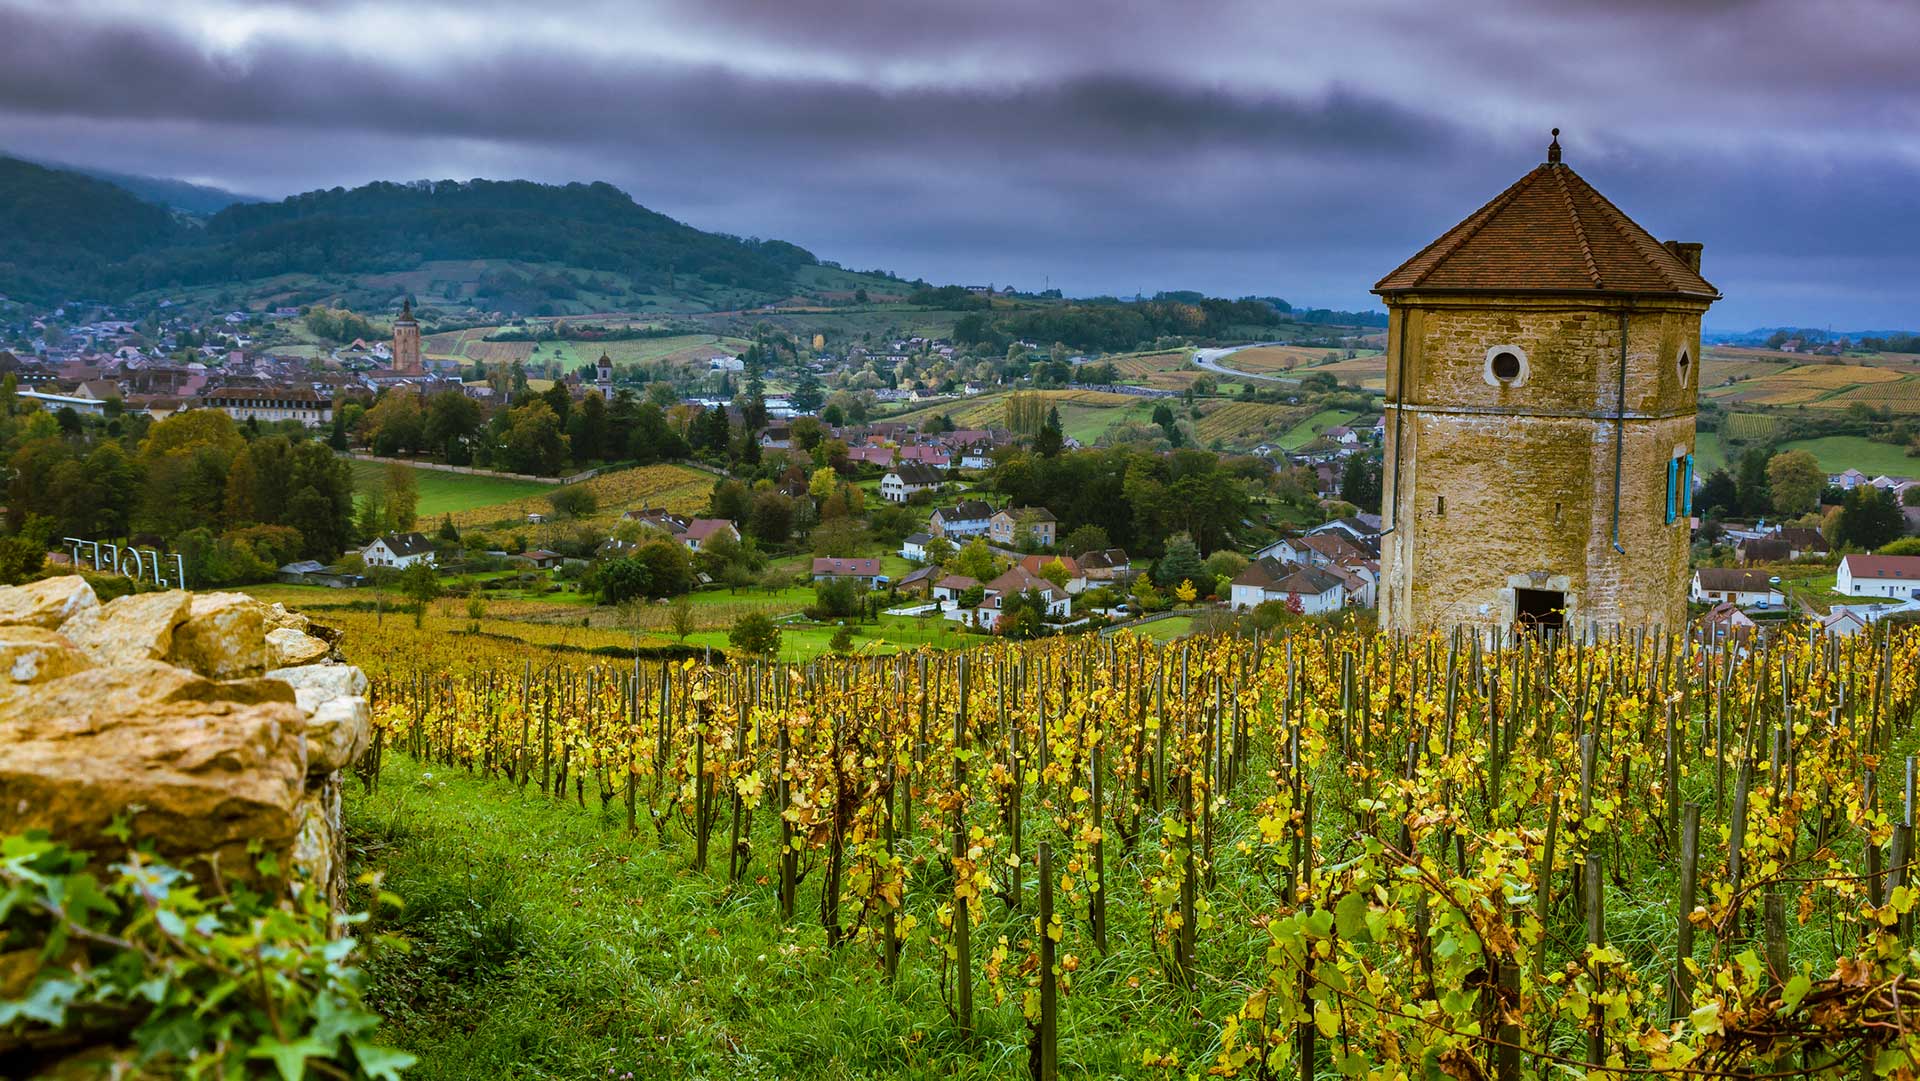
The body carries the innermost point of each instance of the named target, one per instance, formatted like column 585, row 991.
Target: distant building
column 272, row 404
column 968, row 518
column 406, row 341
column 859, row 570
column 1007, row 526
column 1268, row 579
column 398, row 550
column 907, row 480
column 700, row 532
column 1716, row 585
column 1897, row 577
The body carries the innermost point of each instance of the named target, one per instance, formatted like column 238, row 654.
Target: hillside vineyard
column 1406, row 855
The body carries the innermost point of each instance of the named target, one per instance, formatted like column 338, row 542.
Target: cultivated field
column 447, row 493
column 678, row 488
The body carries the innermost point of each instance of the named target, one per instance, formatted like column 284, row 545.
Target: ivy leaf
column 289, row 1056
column 46, row 1003
column 383, row 1063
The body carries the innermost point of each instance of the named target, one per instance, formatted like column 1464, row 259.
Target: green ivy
column 177, row 983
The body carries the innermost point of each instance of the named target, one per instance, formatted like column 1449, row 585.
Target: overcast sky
column 1299, row 149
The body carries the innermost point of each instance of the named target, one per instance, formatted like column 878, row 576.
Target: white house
column 968, row 518
column 908, row 479
column 398, row 550
column 1842, row 622
column 915, row 547
column 702, row 530
column 1897, row 577
column 1717, row 585
column 1268, row 579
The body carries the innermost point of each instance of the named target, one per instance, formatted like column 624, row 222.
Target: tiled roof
column 1724, row 579
column 407, row 544
column 1551, row 232
column 1907, row 567
column 850, row 568
column 702, row 528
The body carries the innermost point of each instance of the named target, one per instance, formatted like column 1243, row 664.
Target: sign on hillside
column 133, row 562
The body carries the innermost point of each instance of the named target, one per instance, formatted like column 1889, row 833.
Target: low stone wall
column 216, row 726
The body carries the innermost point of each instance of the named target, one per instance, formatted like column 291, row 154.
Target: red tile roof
column 1907, row 567
column 1548, row 233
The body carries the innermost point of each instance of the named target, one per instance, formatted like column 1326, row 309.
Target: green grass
column 1303, row 433
column 544, row 943
column 1709, row 454
column 446, row 493
column 1166, row 630
column 805, row 641
column 1838, row 453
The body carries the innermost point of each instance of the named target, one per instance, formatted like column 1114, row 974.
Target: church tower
column 1542, row 379
column 406, row 341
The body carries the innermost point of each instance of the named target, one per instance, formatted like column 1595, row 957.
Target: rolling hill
column 519, row 246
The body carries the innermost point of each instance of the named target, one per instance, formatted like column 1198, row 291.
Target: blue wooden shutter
column 1672, row 469
column 1688, row 489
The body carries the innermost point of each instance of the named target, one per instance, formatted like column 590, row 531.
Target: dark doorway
column 1539, row 609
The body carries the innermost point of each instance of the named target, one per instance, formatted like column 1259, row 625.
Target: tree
column 680, row 616
column 1751, row 483
column 771, row 518
column 755, row 634
column 842, row 640
column 419, row 584
column 1086, row 538
column 939, row 550
column 533, row 441
column 822, row 484
column 731, row 500
column 1022, row 616
column 403, row 496
column 1795, row 481
column 619, row 580
column 1360, row 483
column 1718, row 497
column 976, row 561
column 1182, row 562
column 1185, row 592
column 1869, row 519
column 573, row 501
column 1225, row 564
column 1056, row 572
column 447, row 531
column 452, row 419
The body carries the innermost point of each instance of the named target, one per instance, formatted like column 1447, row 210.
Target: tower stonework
column 406, row 341
column 1542, row 380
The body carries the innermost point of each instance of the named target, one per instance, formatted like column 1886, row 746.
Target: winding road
column 1210, row 360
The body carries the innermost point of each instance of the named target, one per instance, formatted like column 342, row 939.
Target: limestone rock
column 323, row 680
column 288, row 648
column 210, row 766
column 224, row 636
column 33, row 654
column 47, row 603
column 316, row 859
column 130, row 629
column 337, row 733
column 278, row 616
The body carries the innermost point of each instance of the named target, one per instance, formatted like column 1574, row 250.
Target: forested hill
column 59, row 228
column 71, row 235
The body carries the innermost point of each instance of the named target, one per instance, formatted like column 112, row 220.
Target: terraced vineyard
column 1243, row 425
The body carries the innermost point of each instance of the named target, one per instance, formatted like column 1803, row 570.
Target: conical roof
column 1551, row 232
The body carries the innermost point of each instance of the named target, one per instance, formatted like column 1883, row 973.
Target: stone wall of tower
column 1526, row 471
column 406, row 346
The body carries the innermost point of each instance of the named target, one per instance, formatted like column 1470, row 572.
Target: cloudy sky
column 1298, row 148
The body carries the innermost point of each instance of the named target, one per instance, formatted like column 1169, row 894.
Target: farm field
column 1304, row 431
column 447, row 493
column 1241, row 425
column 760, row 878
column 1709, row 453
column 990, row 409
column 1277, row 359
column 1838, row 453
column 679, row 488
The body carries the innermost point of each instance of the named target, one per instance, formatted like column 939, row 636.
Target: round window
column 1507, row 366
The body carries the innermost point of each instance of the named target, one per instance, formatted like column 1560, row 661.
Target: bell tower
column 1542, row 380
column 406, row 341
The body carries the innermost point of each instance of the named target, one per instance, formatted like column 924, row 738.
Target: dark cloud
column 1239, row 148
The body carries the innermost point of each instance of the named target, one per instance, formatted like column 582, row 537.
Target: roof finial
column 1553, row 149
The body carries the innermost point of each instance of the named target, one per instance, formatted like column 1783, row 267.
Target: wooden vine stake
column 962, row 930
column 1046, row 1062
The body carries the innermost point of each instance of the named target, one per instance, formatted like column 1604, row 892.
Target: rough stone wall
column 1527, row 470
column 212, row 721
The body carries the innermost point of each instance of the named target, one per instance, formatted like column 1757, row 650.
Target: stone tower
column 406, row 341
column 1542, row 379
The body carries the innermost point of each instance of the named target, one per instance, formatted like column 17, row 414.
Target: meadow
column 1838, row 453
column 442, row 493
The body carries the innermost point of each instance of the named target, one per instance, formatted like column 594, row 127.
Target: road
column 1210, row 360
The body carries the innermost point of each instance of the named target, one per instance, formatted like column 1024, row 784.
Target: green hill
column 520, row 247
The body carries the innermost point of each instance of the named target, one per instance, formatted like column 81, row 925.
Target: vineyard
column 1243, row 424
column 1329, row 853
column 678, row 488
